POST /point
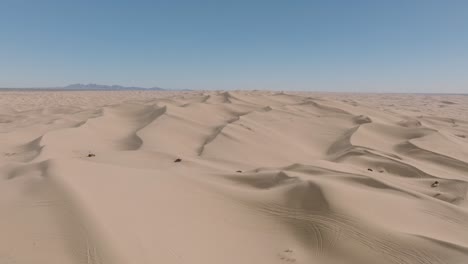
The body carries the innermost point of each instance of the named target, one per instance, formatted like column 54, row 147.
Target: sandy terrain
column 264, row 177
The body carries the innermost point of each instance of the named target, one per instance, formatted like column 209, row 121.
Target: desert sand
column 264, row 177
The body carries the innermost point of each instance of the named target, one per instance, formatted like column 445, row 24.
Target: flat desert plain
column 261, row 177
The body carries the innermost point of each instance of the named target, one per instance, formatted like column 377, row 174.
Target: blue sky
column 372, row 45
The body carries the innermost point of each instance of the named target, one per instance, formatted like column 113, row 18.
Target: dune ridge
column 264, row 177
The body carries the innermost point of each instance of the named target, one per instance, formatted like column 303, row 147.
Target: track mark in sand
column 319, row 238
column 461, row 220
column 388, row 245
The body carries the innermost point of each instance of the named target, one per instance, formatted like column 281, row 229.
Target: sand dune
column 265, row 177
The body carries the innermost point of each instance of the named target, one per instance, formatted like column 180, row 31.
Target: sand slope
column 265, row 177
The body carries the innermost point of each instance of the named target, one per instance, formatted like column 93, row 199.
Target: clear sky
column 328, row 45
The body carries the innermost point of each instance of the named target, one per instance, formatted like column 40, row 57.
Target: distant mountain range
column 93, row 86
